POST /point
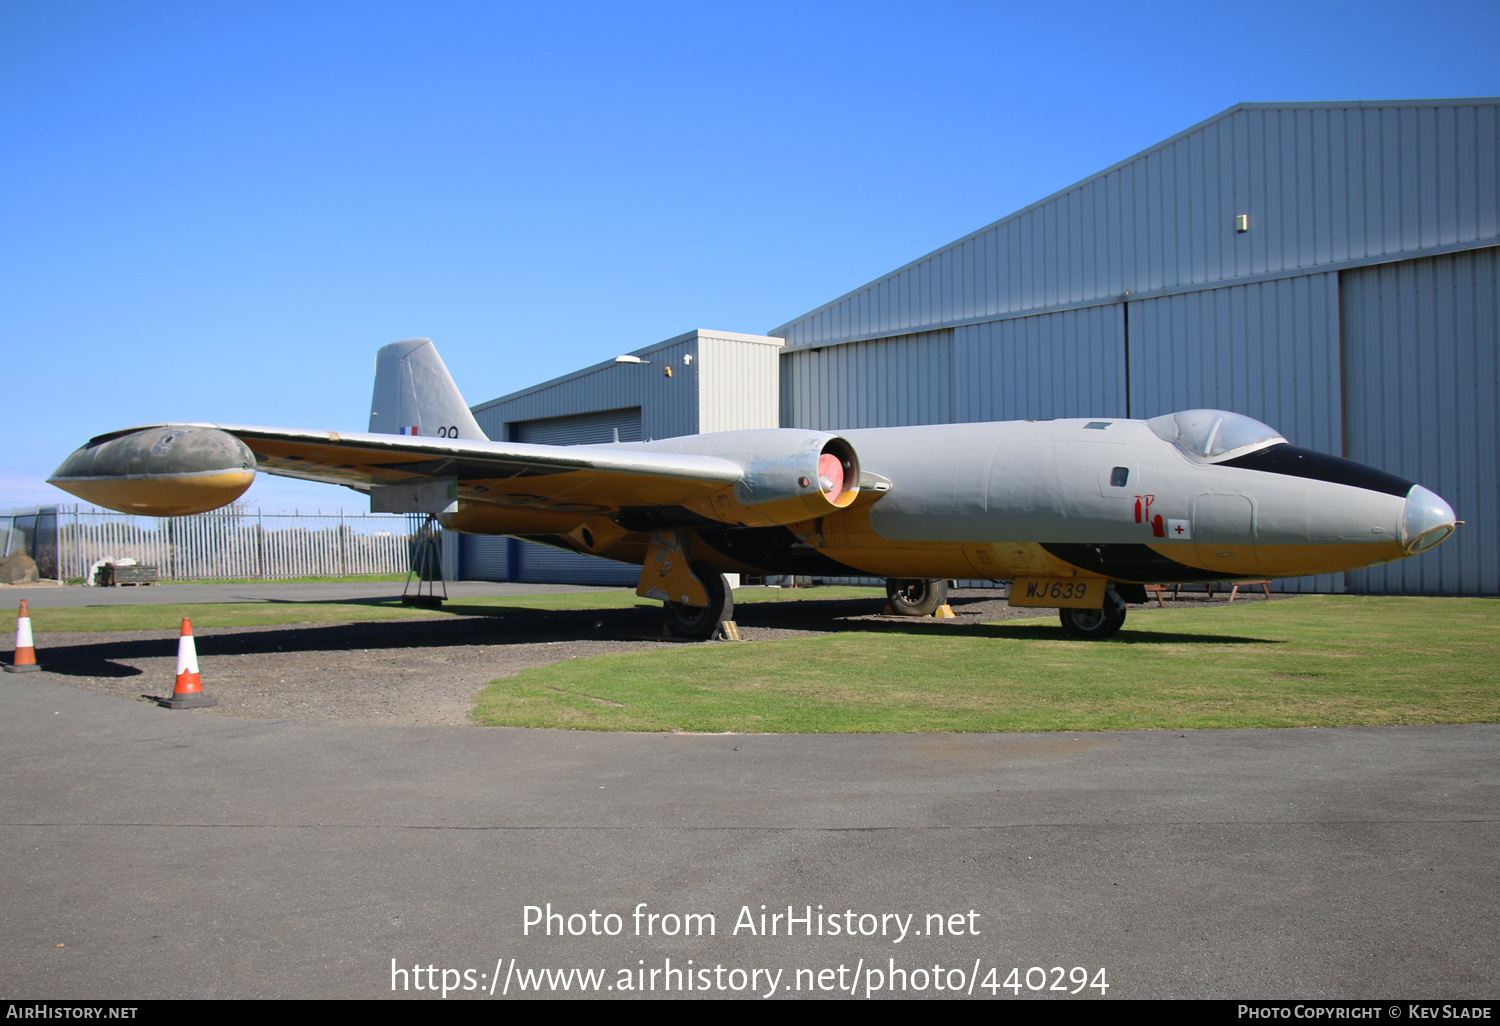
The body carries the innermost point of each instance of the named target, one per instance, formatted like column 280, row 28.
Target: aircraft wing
column 435, row 455
column 165, row 468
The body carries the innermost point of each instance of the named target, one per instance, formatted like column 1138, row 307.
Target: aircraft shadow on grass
column 477, row 625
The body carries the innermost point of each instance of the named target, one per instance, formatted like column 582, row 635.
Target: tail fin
column 415, row 395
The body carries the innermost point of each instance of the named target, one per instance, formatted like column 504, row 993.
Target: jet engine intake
column 790, row 476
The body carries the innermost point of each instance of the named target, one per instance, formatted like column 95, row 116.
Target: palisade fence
column 232, row 542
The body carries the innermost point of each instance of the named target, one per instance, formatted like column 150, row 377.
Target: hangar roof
column 1322, row 184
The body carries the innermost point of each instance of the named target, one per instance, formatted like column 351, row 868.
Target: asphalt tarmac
column 148, row 853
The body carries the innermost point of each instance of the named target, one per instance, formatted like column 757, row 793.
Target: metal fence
column 234, row 542
column 33, row 531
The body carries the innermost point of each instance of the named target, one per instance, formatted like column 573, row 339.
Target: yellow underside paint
column 162, row 496
column 1050, row 593
column 583, row 491
column 848, row 538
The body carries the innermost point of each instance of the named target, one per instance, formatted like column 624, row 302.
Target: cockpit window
column 1211, row 434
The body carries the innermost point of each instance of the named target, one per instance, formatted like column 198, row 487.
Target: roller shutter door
column 597, row 428
column 483, row 558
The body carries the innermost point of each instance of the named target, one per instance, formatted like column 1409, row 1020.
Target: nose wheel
column 1095, row 624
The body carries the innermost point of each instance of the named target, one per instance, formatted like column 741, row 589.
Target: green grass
column 1310, row 661
column 231, row 614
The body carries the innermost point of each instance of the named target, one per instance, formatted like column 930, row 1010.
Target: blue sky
column 220, row 210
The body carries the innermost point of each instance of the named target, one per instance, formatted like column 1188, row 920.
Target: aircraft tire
column 1095, row 624
column 911, row 597
column 702, row 622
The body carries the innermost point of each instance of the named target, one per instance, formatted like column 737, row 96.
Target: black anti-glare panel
column 1317, row 466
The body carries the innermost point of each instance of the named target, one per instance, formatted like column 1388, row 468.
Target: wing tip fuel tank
column 160, row 471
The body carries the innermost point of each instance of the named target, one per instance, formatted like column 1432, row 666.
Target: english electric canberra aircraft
column 1078, row 514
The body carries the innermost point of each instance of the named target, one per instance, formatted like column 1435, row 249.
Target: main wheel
column 1095, row 624
column 910, row 597
column 702, row 622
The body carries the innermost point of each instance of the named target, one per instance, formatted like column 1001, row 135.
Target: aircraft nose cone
column 1427, row 520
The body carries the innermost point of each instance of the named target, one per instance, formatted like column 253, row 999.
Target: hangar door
column 1423, row 401
column 505, row 559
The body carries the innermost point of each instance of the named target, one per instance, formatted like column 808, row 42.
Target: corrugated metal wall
column 1420, row 345
column 739, row 386
column 1068, row 364
column 905, row 380
column 1269, row 350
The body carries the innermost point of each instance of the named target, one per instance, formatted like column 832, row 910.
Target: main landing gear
column 1095, row 624
column 910, row 597
column 702, row 622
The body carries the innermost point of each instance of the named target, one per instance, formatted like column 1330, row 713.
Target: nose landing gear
column 1095, row 624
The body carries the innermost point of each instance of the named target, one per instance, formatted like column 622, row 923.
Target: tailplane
column 415, row 394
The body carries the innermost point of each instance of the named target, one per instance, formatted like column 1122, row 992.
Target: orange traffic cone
column 25, row 657
column 189, row 691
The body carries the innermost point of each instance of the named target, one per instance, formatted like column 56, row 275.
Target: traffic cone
column 25, row 657
column 189, row 691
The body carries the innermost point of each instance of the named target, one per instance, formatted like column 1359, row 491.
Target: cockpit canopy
column 1214, row 434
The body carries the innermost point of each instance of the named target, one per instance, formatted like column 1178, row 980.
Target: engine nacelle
column 790, row 475
column 809, row 482
column 166, row 471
